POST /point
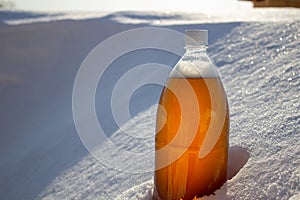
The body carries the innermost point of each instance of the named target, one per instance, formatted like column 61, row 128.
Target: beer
column 190, row 176
column 192, row 129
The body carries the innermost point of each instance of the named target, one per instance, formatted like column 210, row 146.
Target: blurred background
column 115, row 5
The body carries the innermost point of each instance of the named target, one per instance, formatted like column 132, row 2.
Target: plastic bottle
column 192, row 127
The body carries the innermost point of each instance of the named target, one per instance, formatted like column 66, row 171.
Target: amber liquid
column 190, row 176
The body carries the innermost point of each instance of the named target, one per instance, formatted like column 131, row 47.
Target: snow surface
column 41, row 155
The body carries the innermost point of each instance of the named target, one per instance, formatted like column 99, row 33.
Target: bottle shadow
column 237, row 158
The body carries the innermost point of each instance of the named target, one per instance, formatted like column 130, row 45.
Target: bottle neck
column 195, row 63
column 200, row 48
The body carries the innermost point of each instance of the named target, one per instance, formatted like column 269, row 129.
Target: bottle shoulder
column 195, row 66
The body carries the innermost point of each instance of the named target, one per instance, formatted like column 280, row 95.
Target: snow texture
column 42, row 157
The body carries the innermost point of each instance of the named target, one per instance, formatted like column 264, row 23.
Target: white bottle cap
column 196, row 37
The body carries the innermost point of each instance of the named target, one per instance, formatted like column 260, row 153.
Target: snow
column 41, row 154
